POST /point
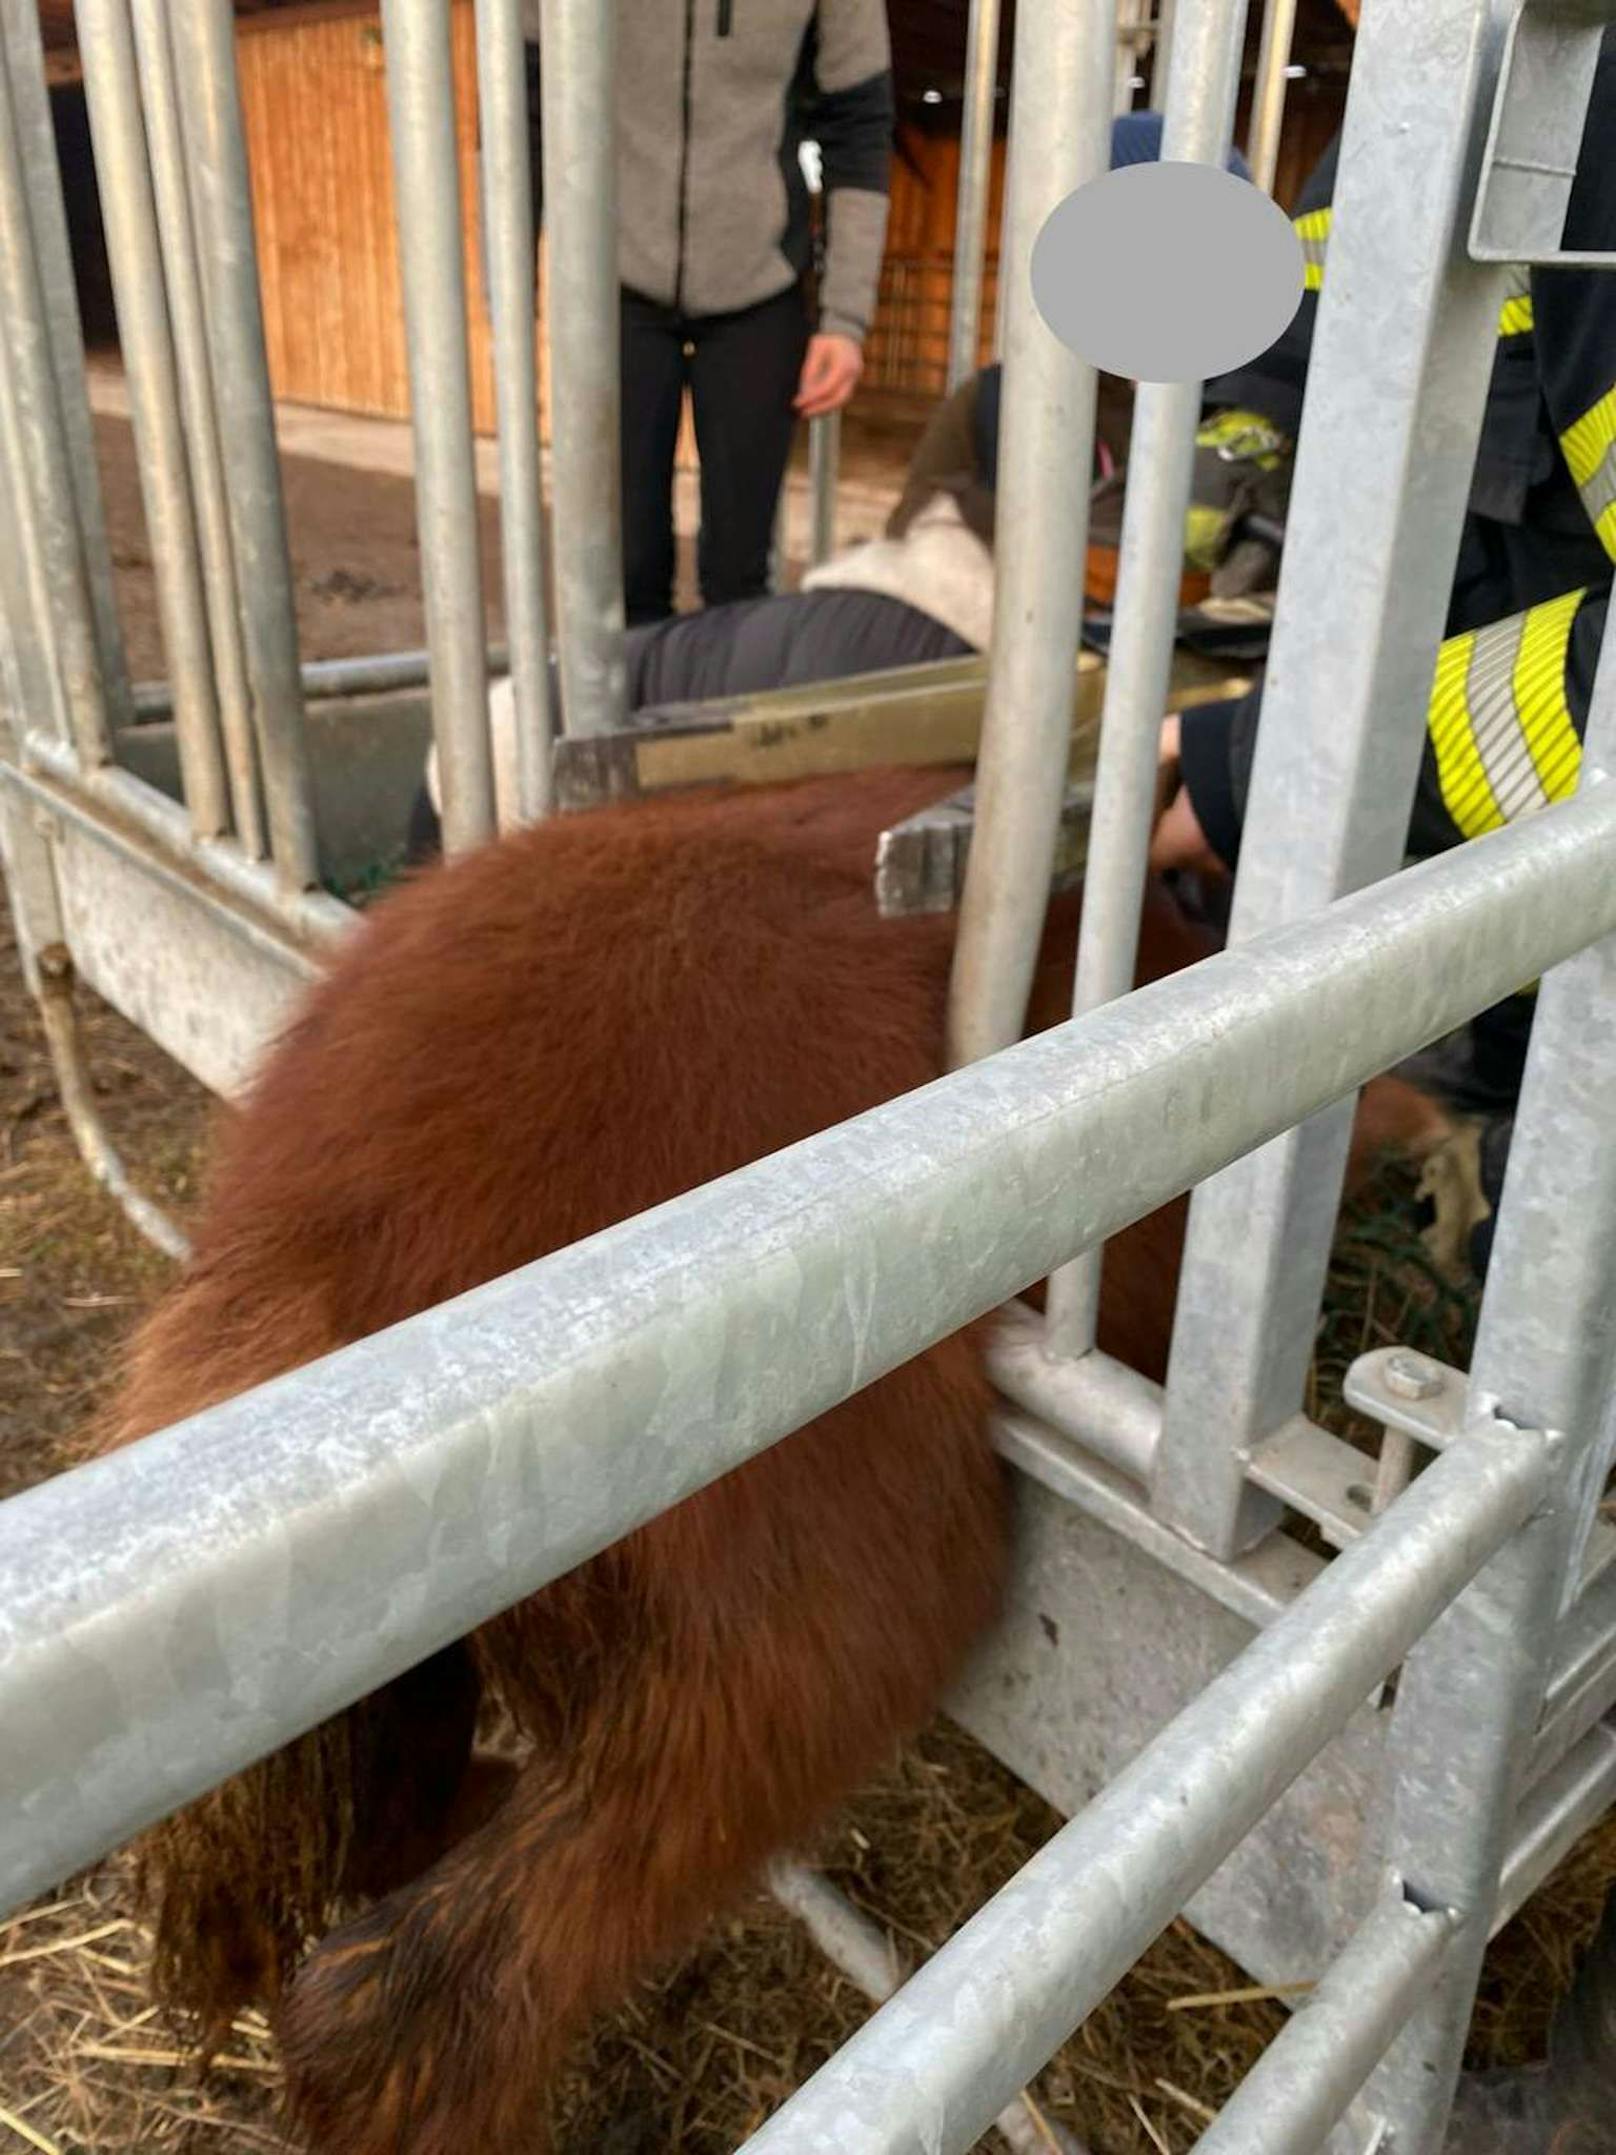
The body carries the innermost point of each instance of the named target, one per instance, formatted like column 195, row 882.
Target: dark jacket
column 715, row 100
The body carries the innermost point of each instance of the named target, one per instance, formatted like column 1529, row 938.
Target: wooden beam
column 918, row 715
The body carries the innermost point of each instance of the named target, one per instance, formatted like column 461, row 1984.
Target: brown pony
column 515, row 1051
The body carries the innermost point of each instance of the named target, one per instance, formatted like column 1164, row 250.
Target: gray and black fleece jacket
column 715, row 99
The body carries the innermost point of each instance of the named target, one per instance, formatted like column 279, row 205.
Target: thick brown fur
column 516, row 1051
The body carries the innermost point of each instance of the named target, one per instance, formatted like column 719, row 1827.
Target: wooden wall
column 908, row 346
column 315, row 99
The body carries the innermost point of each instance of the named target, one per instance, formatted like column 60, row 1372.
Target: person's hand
column 830, row 374
column 1177, row 840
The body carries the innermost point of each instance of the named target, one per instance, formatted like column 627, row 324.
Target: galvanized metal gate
column 1313, row 1833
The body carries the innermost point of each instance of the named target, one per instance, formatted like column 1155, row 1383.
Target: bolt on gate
column 1257, row 1775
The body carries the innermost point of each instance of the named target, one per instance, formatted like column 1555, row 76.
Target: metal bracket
column 1416, row 1400
column 1410, row 1393
column 1539, row 113
column 1320, row 1476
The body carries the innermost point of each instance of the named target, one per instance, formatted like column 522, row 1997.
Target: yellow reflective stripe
column 1313, row 231
column 1465, row 790
column 1500, row 721
column 1495, row 725
column 1590, row 451
column 1540, row 695
column 1515, row 315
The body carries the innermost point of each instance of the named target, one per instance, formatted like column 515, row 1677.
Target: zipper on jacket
column 684, row 159
column 726, row 17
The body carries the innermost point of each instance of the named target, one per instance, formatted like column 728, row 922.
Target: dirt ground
column 355, row 557
column 701, row 2055
column 356, row 560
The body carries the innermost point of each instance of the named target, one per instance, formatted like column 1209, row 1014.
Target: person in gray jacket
column 715, row 249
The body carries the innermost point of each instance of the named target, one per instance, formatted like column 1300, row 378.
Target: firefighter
column 1527, row 609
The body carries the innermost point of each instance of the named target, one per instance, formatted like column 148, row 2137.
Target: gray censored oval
column 1167, row 272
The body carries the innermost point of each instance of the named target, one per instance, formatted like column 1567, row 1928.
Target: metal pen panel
column 426, row 183
column 135, row 259
column 512, row 266
column 1200, row 117
column 1401, row 361
column 1060, row 124
column 188, row 322
column 40, row 455
column 1471, row 1696
column 204, row 40
column 1268, row 91
column 579, row 79
column 484, row 1447
column 975, row 186
column 989, row 2010
column 53, row 254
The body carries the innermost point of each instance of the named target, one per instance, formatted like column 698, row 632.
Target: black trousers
column 742, row 372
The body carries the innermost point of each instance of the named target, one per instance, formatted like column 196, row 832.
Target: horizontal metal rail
column 375, row 674
column 1308, row 2075
column 1107, row 1407
column 486, row 1447
column 980, row 2019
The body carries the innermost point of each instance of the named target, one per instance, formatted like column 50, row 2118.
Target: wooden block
column 920, row 863
column 918, row 715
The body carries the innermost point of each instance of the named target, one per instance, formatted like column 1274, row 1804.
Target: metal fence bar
column 188, row 321
column 203, row 33
column 31, row 685
column 135, row 258
column 58, row 1019
column 1061, row 126
column 1162, row 57
column 1399, row 378
column 824, row 466
column 1308, row 2075
column 380, row 673
column 981, row 2018
column 40, row 456
column 1200, row 116
column 494, row 1443
column 579, row 75
column 975, row 186
column 865, row 1955
column 33, row 680
column 1472, row 1694
column 53, row 254
column 509, row 252
column 1267, row 122
column 431, row 244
